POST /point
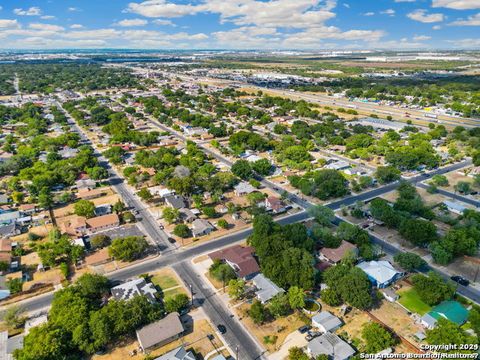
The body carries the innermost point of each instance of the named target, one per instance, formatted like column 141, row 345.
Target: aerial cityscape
column 240, row 179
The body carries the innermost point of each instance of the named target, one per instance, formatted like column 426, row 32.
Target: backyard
column 410, row 299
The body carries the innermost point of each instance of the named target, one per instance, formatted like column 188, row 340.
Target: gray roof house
column 266, row 289
column 331, row 345
column 4, row 198
column 187, row 215
column 326, row 322
column 244, row 188
column 9, row 230
column 174, row 201
column 201, row 227
column 10, row 217
column 160, row 332
column 177, row 354
column 134, row 288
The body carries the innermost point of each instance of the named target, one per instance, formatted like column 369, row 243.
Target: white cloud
column 74, row 9
column 457, row 4
column 465, row 43
column 370, row 13
column 163, row 22
column 422, row 16
column 93, row 34
column 47, row 17
column 421, row 37
column 346, row 5
column 45, row 27
column 436, row 27
column 8, row 24
column 389, row 12
column 160, row 8
column 76, row 26
column 473, row 20
column 132, row 22
column 32, row 11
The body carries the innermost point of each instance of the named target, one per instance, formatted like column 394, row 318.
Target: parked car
column 304, row 329
column 312, row 335
column 221, row 329
column 460, row 280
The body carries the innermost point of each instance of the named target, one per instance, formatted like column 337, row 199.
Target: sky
column 240, row 24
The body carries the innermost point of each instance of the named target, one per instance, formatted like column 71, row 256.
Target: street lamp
column 191, row 292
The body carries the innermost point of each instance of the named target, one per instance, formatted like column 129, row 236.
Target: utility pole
column 236, row 350
column 191, row 291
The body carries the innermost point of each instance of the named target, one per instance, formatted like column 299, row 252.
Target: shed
column 326, row 322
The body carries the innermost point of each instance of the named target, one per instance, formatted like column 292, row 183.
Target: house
column 201, row 227
column 87, row 194
column 5, row 245
column 450, row 310
column 4, row 199
column 390, row 295
column 177, row 354
column 275, row 204
column 103, row 222
column 28, row 209
column 266, row 289
column 380, row 273
column 187, row 215
column 240, row 259
column 243, row 188
column 75, row 226
column 9, row 230
column 331, row 345
column 356, row 171
column 9, row 217
column 160, row 332
column 337, row 165
column 326, row 322
column 68, row 153
column 135, row 287
column 175, row 202
column 475, row 171
column 455, row 207
column 83, row 184
column 335, row 255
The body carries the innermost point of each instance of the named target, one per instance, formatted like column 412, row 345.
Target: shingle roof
column 241, row 256
column 266, row 288
column 160, row 331
column 104, row 220
column 381, row 271
column 335, row 255
column 331, row 345
column 327, row 320
column 177, row 354
column 134, row 288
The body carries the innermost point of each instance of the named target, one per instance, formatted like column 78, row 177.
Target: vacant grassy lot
column 411, row 300
column 165, row 278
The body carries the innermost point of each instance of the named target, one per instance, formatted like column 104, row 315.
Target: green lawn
column 164, row 281
column 174, row 292
column 412, row 302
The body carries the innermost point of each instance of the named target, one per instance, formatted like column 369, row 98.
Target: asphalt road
column 454, row 196
column 236, row 335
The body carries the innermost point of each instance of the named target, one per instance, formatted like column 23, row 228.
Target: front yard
column 410, row 299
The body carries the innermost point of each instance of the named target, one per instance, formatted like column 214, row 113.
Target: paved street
column 180, row 258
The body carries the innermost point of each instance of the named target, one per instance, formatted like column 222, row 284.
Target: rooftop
column 160, row 331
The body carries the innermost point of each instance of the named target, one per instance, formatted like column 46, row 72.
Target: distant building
column 161, row 332
column 390, row 295
column 275, row 204
column 136, row 287
column 175, row 202
column 266, row 289
column 380, row 273
column 337, row 165
column 331, row 345
column 455, row 207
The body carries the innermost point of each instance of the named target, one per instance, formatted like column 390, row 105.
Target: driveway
column 292, row 340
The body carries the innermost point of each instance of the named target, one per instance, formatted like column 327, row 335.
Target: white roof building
column 380, row 273
column 325, row 322
column 266, row 289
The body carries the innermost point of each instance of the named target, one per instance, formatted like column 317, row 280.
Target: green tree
column 409, row 261
column 258, row 312
column 128, row 248
column 223, row 223
column 322, row 214
column 295, row 353
column 15, row 285
column 376, row 337
column 100, row 241
column 296, row 297
column 236, row 288
column 181, row 230
column 418, row 231
column 145, row 194
column 387, row 174
column 279, row 305
column 262, row 167
column 84, row 208
column 242, row 169
column 222, row 272
column 171, row 215
column 118, row 207
column 176, row 303
column 432, row 289
column 331, row 297
column 15, row 316
column 447, row 332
